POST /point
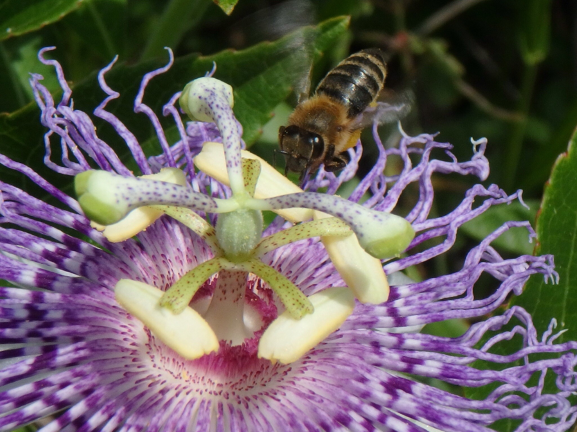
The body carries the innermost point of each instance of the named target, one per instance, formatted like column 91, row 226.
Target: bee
column 321, row 129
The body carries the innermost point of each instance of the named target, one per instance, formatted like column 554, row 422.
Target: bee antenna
column 274, row 152
column 303, row 177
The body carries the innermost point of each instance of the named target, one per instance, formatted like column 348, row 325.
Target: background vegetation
column 501, row 69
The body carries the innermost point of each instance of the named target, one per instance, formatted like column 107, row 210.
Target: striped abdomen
column 356, row 81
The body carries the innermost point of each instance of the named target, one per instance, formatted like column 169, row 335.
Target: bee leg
column 337, row 162
column 330, row 152
column 303, row 176
column 328, row 157
column 309, row 168
column 333, row 163
column 281, row 151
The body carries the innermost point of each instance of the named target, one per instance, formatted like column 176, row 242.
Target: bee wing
column 277, row 21
column 301, row 45
column 302, row 85
column 388, row 109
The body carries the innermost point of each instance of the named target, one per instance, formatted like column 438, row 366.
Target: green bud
column 389, row 241
column 96, row 209
column 81, row 182
column 195, row 93
column 99, row 211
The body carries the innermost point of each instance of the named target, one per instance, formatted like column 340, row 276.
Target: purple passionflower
column 75, row 355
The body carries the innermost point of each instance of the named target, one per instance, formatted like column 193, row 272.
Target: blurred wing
column 301, row 46
column 302, row 85
column 276, row 22
column 388, row 109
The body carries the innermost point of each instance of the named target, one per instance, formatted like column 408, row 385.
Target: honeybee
column 321, row 129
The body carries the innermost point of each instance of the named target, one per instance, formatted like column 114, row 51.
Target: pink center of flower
column 234, row 370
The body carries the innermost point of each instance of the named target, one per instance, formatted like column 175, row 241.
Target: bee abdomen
column 356, row 81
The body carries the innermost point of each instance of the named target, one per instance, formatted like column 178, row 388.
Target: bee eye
column 317, row 145
column 292, row 130
column 315, row 140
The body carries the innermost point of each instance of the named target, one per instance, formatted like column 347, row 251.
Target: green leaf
column 27, row 62
column 448, row 328
column 100, row 24
column 515, row 240
column 179, row 18
column 21, row 140
column 557, row 235
column 261, row 76
column 26, row 429
column 29, row 428
column 22, row 16
column 226, row 5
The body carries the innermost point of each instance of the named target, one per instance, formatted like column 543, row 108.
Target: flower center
column 235, row 369
column 238, row 247
column 232, row 372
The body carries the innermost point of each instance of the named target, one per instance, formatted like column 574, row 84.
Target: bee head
column 300, row 147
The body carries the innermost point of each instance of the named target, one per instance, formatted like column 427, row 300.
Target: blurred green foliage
column 504, row 70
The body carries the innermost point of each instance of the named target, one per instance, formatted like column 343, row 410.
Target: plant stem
column 513, row 152
column 445, row 14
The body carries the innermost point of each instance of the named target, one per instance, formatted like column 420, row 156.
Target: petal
column 134, row 222
column 287, row 339
column 186, row 333
column 363, row 273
